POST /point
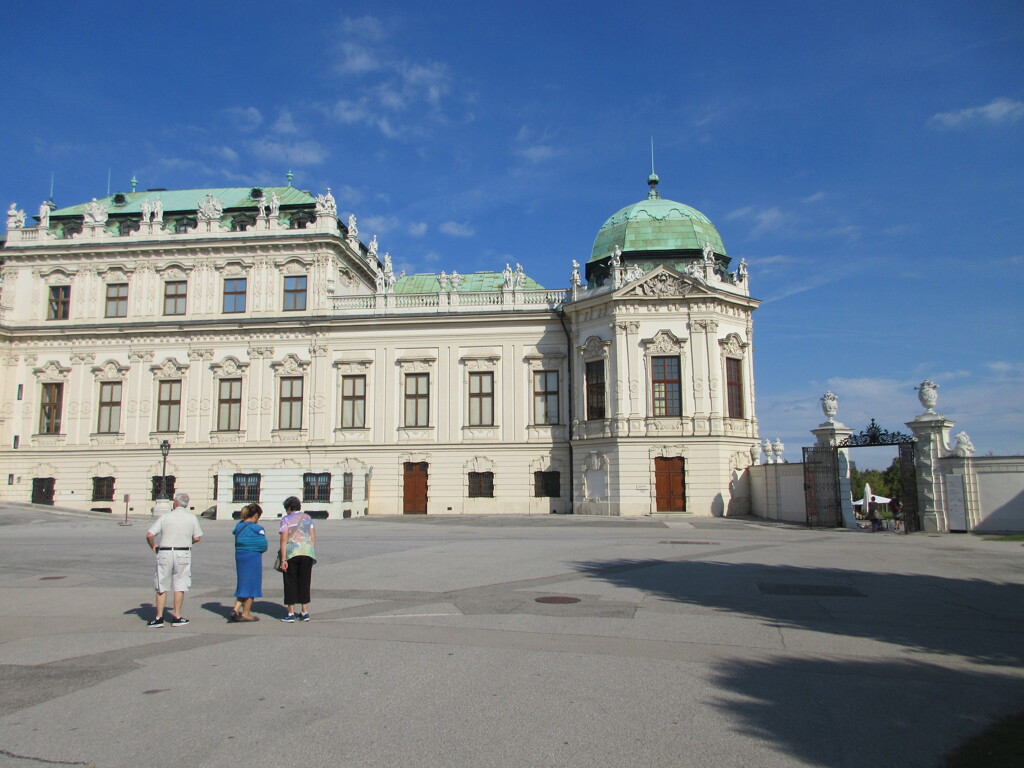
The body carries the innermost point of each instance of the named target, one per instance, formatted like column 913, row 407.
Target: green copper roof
column 476, row 281
column 656, row 225
column 187, row 200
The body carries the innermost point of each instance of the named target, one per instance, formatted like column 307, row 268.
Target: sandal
column 248, row 618
column 234, row 616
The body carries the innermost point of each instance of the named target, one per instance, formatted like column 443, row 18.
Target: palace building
column 274, row 353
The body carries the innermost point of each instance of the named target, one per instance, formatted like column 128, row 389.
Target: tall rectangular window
column 229, row 405
column 481, row 399
column 168, row 407
column 594, row 382
column 353, row 402
column 175, row 296
column 157, row 491
column 290, row 403
column 59, row 307
column 545, row 397
column 110, row 407
column 346, row 487
column 481, row 485
column 417, row 399
column 245, row 487
column 234, row 294
column 666, row 389
column 316, row 487
column 50, row 409
column 547, row 484
column 103, row 489
column 734, row 387
column 294, row 293
column 117, row 300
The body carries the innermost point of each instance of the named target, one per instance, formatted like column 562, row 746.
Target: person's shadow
column 145, row 611
column 260, row 607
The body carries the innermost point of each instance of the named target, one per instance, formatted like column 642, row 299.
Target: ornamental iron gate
column 821, row 477
column 821, row 487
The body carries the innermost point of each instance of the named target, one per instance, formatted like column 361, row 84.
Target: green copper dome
column 656, row 225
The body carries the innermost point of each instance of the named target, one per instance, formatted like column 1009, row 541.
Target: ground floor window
column 103, row 489
column 245, row 487
column 158, row 481
column 481, row 485
column 316, row 486
column 547, row 484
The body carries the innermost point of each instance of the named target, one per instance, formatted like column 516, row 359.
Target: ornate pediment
column 291, row 365
column 663, row 283
column 52, row 371
column 479, row 464
column 170, row 368
column 110, row 371
column 595, row 348
column 229, row 367
column 664, row 342
column 732, row 346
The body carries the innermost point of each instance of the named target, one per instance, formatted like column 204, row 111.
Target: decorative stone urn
column 927, row 395
column 829, row 406
column 777, row 449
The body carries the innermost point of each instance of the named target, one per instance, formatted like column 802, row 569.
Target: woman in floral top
column 298, row 556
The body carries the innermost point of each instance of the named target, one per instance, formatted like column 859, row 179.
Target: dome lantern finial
column 652, row 181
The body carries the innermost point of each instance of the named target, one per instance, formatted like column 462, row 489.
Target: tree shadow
column 976, row 619
column 877, row 713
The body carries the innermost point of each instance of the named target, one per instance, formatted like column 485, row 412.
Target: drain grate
column 809, row 590
column 557, row 599
column 711, row 543
column 51, row 578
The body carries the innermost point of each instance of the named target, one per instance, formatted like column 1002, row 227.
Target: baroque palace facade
column 277, row 354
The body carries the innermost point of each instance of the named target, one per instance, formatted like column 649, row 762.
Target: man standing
column 178, row 530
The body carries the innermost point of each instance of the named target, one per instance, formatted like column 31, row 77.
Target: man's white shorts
column 173, row 571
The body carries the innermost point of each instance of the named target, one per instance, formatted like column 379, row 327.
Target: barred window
column 316, row 486
column 245, row 487
column 103, row 489
column 481, row 485
column 158, row 484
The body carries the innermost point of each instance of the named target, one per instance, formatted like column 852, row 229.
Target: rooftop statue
column 158, row 211
column 275, row 204
column 616, row 257
column 44, row 215
column 709, row 253
column 95, row 213
column 635, row 273
column 520, row 276
column 741, row 273
column 325, row 204
column 261, row 204
column 575, row 278
column 210, row 209
column 353, row 230
column 15, row 218
column 507, row 274
column 372, row 251
column 694, row 269
column 964, row 448
column 147, row 210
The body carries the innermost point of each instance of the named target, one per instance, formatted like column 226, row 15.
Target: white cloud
column 456, row 230
column 814, row 198
column 357, row 60
column 379, row 224
column 285, row 123
column 368, row 27
column 244, row 118
column 418, row 228
column 297, row 153
column 225, row 153
column 999, row 111
column 533, row 147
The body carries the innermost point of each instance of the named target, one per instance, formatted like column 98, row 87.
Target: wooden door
column 670, row 484
column 415, row 489
column 42, row 490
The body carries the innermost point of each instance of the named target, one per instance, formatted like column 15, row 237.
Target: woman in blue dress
column 250, row 544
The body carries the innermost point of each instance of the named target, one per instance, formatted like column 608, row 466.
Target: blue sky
column 865, row 158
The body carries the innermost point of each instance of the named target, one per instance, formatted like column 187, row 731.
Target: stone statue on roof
column 353, row 230
column 210, row 209
column 44, row 215
column 325, row 204
column 275, row 204
column 95, row 213
column 158, row 211
column 634, row 273
column 616, row 257
column 575, row 278
column 694, row 269
column 261, row 204
column 15, row 218
column 520, row 276
column 741, row 273
column 964, row 448
column 709, row 254
column 507, row 274
column 147, row 211
column 372, row 250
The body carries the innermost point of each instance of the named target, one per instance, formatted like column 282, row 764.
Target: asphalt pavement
column 511, row 641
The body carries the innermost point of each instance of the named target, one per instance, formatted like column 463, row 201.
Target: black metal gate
column 821, row 487
column 42, row 490
column 908, row 479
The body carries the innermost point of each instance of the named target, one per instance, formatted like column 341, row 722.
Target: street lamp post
column 163, row 503
column 165, row 448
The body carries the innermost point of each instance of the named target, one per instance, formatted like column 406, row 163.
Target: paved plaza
column 436, row 643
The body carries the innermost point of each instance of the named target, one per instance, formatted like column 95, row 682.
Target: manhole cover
column 557, row 599
column 51, row 578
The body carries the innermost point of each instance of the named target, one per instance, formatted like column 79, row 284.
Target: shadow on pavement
column 972, row 618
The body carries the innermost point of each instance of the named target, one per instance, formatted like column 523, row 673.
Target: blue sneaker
column 290, row 618
column 304, row 617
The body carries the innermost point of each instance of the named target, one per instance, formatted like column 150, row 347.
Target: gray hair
column 181, row 499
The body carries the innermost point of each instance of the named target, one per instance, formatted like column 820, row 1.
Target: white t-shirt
column 176, row 529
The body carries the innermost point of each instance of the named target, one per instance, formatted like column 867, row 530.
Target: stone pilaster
column 932, row 433
column 833, row 433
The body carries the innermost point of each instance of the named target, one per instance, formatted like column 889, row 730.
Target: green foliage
column 883, row 482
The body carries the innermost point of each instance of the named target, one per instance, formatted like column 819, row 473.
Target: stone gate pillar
column 931, row 431
column 831, row 433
